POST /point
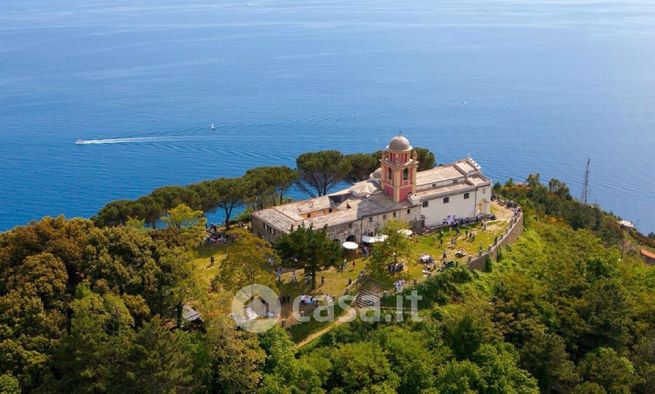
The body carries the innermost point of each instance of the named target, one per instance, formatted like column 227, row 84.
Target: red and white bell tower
column 399, row 167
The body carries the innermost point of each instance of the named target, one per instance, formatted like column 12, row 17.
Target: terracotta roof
column 366, row 198
column 647, row 253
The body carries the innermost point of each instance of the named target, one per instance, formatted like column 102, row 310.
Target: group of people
column 395, row 267
column 306, row 299
column 215, row 234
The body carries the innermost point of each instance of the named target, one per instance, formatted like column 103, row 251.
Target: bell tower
column 399, row 167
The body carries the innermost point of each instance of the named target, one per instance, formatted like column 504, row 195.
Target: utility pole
column 585, row 186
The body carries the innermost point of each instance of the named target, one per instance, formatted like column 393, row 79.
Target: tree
column 207, row 194
column 558, row 187
column 608, row 311
column 426, row 159
column 158, row 361
column 179, row 286
column 43, row 276
column 39, row 264
column 320, row 171
column 168, row 197
column 135, row 223
column 64, row 239
column 409, row 357
column 190, row 224
column 122, row 260
column 269, row 184
column 362, row 366
column 605, row 367
column 283, row 178
column 395, row 247
column 500, row 371
column 282, row 369
column 363, row 165
column 150, row 210
column 259, row 192
column 588, row 388
column 309, row 249
column 236, row 358
column 231, row 192
column 182, row 216
column 9, row 384
column 114, row 213
column 465, row 336
column 246, row 261
column 101, row 331
column 545, row 357
column 459, row 377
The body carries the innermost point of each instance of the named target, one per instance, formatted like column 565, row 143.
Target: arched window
column 406, row 174
column 389, row 175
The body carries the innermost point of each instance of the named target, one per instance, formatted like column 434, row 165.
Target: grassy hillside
column 568, row 308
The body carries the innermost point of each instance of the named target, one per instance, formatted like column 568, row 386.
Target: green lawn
column 301, row 331
column 333, row 282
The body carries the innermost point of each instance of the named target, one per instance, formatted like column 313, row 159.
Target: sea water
column 520, row 86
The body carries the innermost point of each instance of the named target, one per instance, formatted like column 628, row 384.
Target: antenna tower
column 585, row 186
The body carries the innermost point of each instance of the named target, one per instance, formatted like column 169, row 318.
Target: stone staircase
column 369, row 294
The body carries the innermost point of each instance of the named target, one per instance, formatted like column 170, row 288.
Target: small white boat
column 211, row 127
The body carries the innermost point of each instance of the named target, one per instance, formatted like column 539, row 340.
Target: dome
column 399, row 143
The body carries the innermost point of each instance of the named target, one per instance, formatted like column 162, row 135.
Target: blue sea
column 521, row 86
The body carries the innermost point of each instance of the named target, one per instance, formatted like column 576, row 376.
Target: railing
column 510, row 235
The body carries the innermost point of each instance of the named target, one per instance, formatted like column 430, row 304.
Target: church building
column 396, row 190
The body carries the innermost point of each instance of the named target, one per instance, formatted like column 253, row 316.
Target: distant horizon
column 524, row 88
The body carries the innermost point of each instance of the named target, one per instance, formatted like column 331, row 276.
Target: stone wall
column 510, row 236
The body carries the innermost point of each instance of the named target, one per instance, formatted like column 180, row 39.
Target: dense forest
column 96, row 307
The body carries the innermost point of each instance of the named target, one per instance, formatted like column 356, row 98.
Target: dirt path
column 348, row 316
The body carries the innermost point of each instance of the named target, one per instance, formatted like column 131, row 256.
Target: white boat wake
column 132, row 140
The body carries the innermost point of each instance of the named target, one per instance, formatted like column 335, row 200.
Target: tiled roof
column 366, row 198
column 647, row 253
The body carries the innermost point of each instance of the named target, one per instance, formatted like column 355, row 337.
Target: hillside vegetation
column 568, row 308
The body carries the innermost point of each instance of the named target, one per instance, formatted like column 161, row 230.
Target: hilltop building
column 396, row 190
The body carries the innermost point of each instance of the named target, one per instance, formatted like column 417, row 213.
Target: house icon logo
column 256, row 308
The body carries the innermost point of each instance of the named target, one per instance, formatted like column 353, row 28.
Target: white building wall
column 483, row 196
column 436, row 211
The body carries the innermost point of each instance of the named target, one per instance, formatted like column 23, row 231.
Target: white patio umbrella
column 351, row 246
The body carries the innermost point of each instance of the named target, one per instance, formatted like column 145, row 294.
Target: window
column 466, row 196
column 350, row 225
column 389, row 174
column 406, row 174
column 425, row 204
column 484, row 191
column 309, row 215
column 370, row 220
column 409, row 211
column 394, row 214
column 330, row 210
column 446, row 200
column 384, row 217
